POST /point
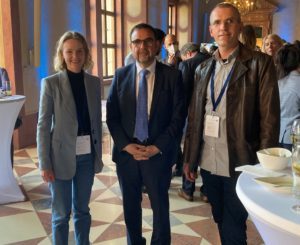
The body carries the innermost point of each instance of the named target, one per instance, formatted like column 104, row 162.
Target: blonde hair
column 275, row 37
column 59, row 62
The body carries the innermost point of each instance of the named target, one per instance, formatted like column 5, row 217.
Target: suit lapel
column 159, row 78
column 127, row 91
column 67, row 94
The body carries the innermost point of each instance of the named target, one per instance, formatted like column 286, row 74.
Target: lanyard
column 212, row 87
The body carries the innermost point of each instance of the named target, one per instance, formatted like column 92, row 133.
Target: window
column 172, row 17
column 108, row 18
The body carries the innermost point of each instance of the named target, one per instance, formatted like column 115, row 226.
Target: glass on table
column 296, row 176
column 8, row 88
column 295, row 131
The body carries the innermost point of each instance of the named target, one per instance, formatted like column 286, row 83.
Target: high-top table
column 270, row 211
column 10, row 107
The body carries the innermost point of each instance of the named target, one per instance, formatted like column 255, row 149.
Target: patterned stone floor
column 29, row 223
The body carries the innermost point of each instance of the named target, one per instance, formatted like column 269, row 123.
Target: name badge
column 83, row 145
column 211, row 127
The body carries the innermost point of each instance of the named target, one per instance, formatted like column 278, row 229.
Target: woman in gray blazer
column 69, row 137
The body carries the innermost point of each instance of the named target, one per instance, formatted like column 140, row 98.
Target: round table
column 270, row 211
column 10, row 107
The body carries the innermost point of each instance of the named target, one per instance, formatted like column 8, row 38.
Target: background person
column 69, row 137
column 248, row 37
column 271, row 44
column 191, row 58
column 145, row 116
column 288, row 67
column 171, row 45
column 3, row 78
column 234, row 112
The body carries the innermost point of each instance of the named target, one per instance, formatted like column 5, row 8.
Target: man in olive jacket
column 233, row 113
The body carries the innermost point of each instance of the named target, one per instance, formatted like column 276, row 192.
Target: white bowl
column 274, row 158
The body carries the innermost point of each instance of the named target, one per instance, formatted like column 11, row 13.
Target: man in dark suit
column 147, row 157
column 191, row 58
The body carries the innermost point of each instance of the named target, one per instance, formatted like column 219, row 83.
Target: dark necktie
column 141, row 119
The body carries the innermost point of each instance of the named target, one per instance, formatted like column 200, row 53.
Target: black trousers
column 228, row 211
column 155, row 174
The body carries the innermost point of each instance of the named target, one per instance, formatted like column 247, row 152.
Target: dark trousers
column 179, row 162
column 189, row 187
column 228, row 211
column 155, row 174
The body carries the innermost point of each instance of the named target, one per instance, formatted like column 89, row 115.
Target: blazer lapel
column 67, row 94
column 157, row 87
column 130, row 96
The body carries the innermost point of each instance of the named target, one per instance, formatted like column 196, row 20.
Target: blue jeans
column 73, row 195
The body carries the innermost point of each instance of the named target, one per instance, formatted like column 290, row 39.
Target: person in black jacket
column 191, row 58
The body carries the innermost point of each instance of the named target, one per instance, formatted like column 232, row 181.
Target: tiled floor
column 29, row 222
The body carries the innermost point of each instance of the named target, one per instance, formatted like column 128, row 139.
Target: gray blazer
column 57, row 124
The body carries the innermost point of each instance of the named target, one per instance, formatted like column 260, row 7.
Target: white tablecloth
column 270, row 211
column 10, row 107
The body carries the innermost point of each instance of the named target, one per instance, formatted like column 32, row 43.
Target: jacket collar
column 157, row 87
column 239, row 68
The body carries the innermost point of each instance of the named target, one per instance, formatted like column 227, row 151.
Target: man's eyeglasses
column 147, row 42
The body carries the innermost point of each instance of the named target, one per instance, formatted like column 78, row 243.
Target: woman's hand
column 47, row 175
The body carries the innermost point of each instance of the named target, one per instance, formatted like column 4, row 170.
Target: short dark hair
column 248, row 37
column 189, row 47
column 142, row 26
column 159, row 35
column 287, row 59
column 227, row 5
column 297, row 44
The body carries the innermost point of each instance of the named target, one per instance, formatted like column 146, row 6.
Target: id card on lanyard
column 212, row 122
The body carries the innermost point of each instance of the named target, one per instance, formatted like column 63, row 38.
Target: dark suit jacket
column 167, row 113
column 188, row 68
